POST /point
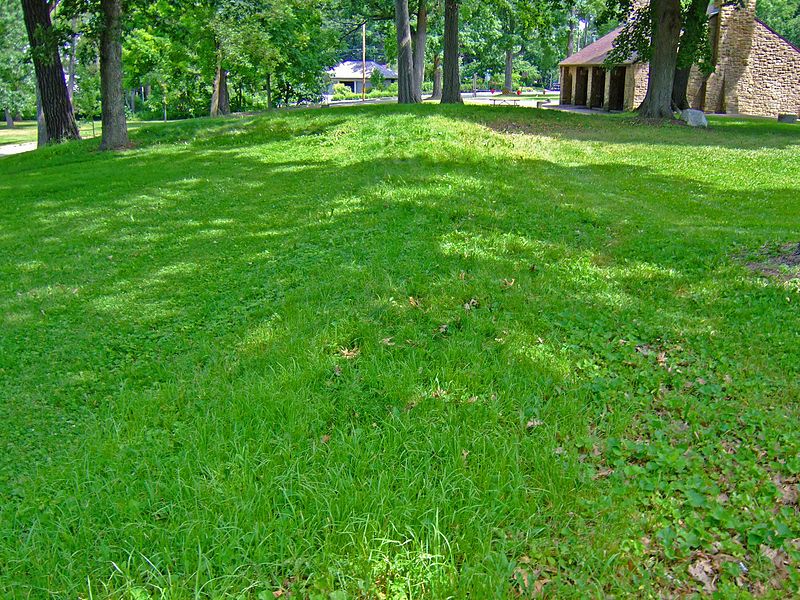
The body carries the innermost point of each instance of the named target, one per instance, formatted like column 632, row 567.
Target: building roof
column 595, row 54
column 352, row 69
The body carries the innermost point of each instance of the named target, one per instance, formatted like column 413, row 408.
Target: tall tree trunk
column 680, row 87
column 509, row 81
column 407, row 92
column 73, row 49
column 269, row 90
column 9, row 119
column 666, row 32
column 220, row 100
column 437, row 77
column 571, row 36
column 56, row 106
column 693, row 34
column 420, row 43
column 112, row 97
column 451, row 94
column 41, row 127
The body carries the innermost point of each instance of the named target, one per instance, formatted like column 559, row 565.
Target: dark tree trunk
column 406, row 89
column 437, row 77
column 694, row 31
column 73, row 48
column 451, row 94
column 112, row 97
column 56, row 106
column 680, row 86
column 269, row 90
column 420, row 43
column 509, row 82
column 220, row 100
column 571, row 35
column 9, row 119
column 666, row 32
column 41, row 128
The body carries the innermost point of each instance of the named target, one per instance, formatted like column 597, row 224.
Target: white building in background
column 350, row 74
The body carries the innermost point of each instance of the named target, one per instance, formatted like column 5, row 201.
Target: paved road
column 10, row 149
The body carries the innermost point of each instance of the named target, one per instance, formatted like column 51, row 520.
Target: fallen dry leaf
column 473, row 303
column 414, row 302
column 443, row 329
column 325, row 439
column 387, row 341
column 350, row 353
column 533, row 424
column 603, row 473
column 787, row 486
column 702, row 571
column 507, row 283
column 538, row 587
column 439, row 392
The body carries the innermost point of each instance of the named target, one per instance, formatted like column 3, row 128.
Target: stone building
column 757, row 71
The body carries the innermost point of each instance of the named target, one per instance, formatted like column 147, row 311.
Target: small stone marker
column 694, row 118
column 787, row 118
column 541, row 103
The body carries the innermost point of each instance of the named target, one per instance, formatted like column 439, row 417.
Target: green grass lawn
column 25, row 131
column 387, row 352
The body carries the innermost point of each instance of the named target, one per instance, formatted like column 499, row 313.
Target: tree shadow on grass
column 725, row 132
column 216, row 289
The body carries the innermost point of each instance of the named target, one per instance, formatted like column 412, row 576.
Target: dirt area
column 777, row 261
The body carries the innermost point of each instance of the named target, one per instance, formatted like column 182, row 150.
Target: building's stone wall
column 640, row 90
column 757, row 72
column 636, row 85
column 770, row 84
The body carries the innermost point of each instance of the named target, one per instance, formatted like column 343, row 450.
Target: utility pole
column 363, row 61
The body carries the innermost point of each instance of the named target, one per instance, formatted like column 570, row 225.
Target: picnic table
column 504, row 101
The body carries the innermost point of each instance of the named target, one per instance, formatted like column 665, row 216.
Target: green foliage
column 402, row 353
column 528, row 29
column 16, row 73
column 377, row 80
column 783, row 16
column 342, row 92
column 86, row 99
column 635, row 39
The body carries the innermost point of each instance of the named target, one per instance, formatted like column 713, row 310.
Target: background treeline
column 190, row 58
column 178, row 56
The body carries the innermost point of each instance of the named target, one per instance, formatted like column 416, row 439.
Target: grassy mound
column 404, row 353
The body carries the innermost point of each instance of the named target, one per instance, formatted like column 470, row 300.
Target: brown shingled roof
column 594, row 54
